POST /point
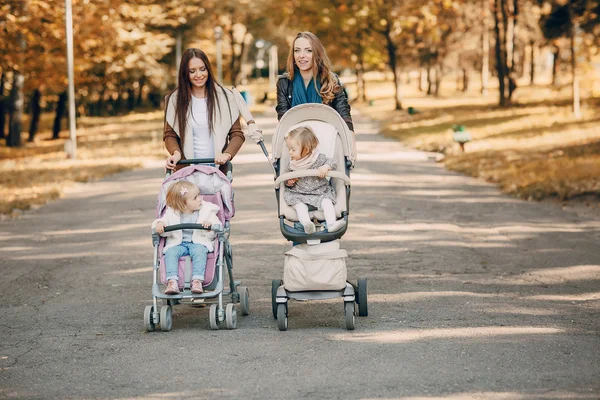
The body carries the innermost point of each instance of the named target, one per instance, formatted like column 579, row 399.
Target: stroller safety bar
column 301, row 173
column 215, row 227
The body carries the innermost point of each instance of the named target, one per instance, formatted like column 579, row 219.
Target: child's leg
column 330, row 217
column 304, row 218
column 172, row 260
column 328, row 211
column 199, row 254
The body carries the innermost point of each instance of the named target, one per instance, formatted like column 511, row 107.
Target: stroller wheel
column 212, row 317
column 148, row 323
column 275, row 283
column 166, row 318
column 244, row 300
column 230, row 316
column 282, row 319
column 350, row 315
column 363, row 310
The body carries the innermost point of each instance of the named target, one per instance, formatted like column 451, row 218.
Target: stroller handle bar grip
column 302, row 173
column 214, row 227
column 196, row 161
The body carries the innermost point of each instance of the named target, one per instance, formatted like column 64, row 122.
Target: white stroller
column 315, row 267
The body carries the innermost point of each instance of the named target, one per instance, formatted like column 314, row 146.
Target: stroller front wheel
column 349, row 310
column 282, row 318
column 148, row 323
column 213, row 317
column 230, row 316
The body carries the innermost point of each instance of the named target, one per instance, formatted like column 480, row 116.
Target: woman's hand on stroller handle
column 173, row 159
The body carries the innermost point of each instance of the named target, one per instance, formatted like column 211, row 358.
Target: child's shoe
column 172, row 287
column 309, row 228
column 197, row 286
column 336, row 226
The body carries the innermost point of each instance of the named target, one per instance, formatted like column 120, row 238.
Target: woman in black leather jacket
column 309, row 79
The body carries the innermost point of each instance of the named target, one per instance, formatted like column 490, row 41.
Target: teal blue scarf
column 301, row 94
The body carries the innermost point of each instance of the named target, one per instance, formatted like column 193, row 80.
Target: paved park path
column 472, row 294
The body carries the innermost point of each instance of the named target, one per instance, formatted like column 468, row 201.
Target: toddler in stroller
column 202, row 279
column 185, row 205
column 310, row 191
column 315, row 267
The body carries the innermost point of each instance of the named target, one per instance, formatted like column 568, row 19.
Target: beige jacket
column 227, row 130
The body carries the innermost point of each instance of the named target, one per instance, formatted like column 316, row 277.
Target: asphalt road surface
column 472, row 294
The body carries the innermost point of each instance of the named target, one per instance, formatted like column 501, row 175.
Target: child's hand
column 206, row 224
column 291, row 182
column 323, row 171
column 160, row 228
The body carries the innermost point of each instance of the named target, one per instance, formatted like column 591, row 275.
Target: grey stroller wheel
column 282, row 319
column 350, row 315
column 213, row 317
column 148, row 323
column 244, row 300
column 275, row 283
column 230, row 316
column 363, row 309
column 166, row 318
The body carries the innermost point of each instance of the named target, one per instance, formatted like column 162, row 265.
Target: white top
column 203, row 140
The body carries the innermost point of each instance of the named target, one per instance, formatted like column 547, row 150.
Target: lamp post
column 219, row 39
column 72, row 146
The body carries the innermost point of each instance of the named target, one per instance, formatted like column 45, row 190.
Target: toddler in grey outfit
column 312, row 191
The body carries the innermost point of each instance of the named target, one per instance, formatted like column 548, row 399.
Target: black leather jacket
column 284, row 100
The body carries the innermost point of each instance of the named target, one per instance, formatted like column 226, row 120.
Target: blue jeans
column 196, row 251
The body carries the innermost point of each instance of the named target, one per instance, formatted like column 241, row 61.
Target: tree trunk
column 438, row 79
column 422, row 79
column 429, row 81
column 130, row 99
column 500, row 60
column 465, row 80
column 2, row 105
column 15, row 119
column 360, row 81
column 575, row 79
column 393, row 61
column 532, row 65
column 510, row 46
column 555, row 62
column 485, row 47
column 141, row 83
column 61, row 108
column 36, row 111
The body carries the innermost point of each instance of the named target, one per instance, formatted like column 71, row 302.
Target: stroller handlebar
column 196, row 161
column 302, row 173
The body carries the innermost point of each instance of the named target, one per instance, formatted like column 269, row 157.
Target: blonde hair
column 321, row 67
column 306, row 137
column 177, row 193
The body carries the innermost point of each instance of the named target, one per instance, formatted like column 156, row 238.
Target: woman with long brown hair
column 202, row 118
column 309, row 79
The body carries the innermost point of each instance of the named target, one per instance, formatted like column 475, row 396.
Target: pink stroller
column 215, row 188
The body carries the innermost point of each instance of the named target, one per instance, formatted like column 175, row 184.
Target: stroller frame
column 215, row 290
column 352, row 294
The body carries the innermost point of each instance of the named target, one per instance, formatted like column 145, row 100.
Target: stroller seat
column 185, row 262
column 335, row 141
column 330, row 145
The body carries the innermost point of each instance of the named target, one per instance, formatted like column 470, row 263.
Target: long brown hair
column 184, row 91
column 321, row 67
